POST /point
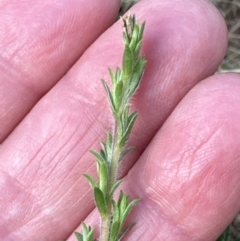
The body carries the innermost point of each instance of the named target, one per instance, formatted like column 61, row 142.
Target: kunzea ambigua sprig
column 124, row 83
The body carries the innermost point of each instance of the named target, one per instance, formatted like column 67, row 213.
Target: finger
column 39, row 42
column 188, row 178
column 46, row 155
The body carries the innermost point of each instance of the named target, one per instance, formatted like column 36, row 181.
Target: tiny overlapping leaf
column 79, row 236
column 125, row 136
column 118, row 95
column 100, row 201
column 103, row 177
column 91, row 180
column 134, row 39
column 109, row 94
column 128, row 209
column 114, row 188
column 98, row 155
column 87, row 234
column 128, row 63
column 115, row 228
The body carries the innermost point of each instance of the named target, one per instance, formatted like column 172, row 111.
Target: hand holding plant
column 185, row 165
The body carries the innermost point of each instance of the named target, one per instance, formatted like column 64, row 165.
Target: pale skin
column 185, row 166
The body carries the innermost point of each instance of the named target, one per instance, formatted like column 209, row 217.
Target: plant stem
column 113, row 167
column 125, row 82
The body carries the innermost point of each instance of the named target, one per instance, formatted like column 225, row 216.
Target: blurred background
column 230, row 10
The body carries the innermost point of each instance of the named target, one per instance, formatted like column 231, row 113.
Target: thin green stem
column 125, row 82
column 116, row 153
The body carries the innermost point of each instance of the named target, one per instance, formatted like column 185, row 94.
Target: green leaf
column 109, row 94
column 120, row 198
column 118, row 95
column 103, row 177
column 141, row 31
column 104, row 151
column 115, row 186
column 116, row 212
column 114, row 231
column 136, row 77
column 134, row 39
column 128, row 63
column 128, row 210
column 100, row 202
column 138, row 48
column 125, row 39
column 109, row 145
column 124, row 121
column 118, row 74
column 98, row 156
column 85, row 230
column 111, row 75
column 90, row 235
column 78, row 236
column 131, row 120
column 123, row 204
column 91, row 180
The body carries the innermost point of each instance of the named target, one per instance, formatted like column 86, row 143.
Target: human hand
column 185, row 167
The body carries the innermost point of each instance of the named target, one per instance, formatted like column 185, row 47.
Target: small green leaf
column 100, row 201
column 108, row 146
column 125, row 39
column 109, row 94
column 114, row 231
column 128, row 210
column 91, row 180
column 124, row 120
column 90, row 235
column 103, row 177
column 97, row 155
column 104, row 151
column 114, row 188
column 138, row 48
column 85, row 230
column 118, row 74
column 118, row 95
column 136, row 77
column 111, row 75
column 109, row 139
column 131, row 120
column 120, row 198
column 116, row 212
column 123, row 204
column 128, row 63
column 141, row 30
column 78, row 236
column 87, row 235
column 134, row 39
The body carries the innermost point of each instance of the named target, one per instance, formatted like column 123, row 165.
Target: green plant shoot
column 124, row 83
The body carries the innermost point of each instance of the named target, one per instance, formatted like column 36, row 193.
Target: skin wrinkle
column 64, row 145
column 30, row 207
column 32, row 159
column 70, row 171
column 59, row 26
